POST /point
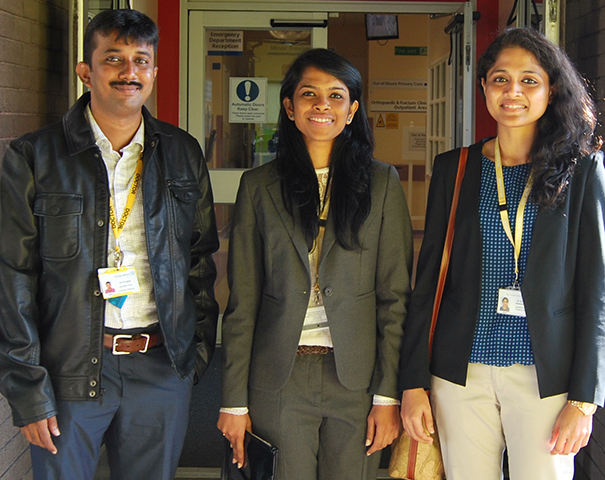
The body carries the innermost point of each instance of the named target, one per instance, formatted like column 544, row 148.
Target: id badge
column 117, row 282
column 316, row 318
column 510, row 302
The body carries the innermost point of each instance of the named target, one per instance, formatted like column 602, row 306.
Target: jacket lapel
column 329, row 238
column 295, row 234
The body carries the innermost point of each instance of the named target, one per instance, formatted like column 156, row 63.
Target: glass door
column 236, row 63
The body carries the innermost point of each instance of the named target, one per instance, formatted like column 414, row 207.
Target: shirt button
column 93, row 383
column 97, row 293
column 100, row 223
column 92, row 394
column 94, row 360
column 328, row 291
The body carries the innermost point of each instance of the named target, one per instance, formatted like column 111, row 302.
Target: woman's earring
column 291, row 117
column 349, row 121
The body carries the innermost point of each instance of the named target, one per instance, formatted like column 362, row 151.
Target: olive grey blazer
column 365, row 291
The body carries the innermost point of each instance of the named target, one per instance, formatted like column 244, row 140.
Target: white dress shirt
column 139, row 310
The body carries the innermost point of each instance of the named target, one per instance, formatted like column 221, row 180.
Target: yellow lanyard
column 503, row 207
column 318, row 246
column 118, row 227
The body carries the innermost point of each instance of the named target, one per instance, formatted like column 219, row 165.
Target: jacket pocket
column 60, row 218
column 185, row 195
column 563, row 311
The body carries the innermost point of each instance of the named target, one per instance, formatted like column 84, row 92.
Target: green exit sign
column 412, row 51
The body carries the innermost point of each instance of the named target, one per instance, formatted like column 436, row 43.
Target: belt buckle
column 117, row 337
column 148, row 337
column 115, row 344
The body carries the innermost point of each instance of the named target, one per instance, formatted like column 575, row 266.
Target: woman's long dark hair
column 566, row 131
column 350, row 161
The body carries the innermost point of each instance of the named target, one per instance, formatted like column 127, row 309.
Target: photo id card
column 510, row 302
column 117, row 282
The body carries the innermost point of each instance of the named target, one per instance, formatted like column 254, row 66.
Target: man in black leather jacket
column 78, row 369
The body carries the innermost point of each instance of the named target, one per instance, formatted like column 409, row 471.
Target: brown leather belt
column 313, row 350
column 126, row 344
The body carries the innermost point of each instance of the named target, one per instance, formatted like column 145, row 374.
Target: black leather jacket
column 54, row 204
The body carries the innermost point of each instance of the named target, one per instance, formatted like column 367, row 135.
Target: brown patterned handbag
column 410, row 459
column 416, row 461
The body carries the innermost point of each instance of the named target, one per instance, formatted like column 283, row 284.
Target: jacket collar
column 79, row 134
column 292, row 226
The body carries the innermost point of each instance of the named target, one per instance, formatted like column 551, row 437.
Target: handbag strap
column 447, row 248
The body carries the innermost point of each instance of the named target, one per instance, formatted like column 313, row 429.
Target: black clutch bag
column 261, row 461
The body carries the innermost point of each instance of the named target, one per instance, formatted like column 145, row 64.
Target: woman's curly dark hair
column 350, row 161
column 566, row 131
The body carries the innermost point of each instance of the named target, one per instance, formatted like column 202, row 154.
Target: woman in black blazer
column 319, row 266
column 527, row 379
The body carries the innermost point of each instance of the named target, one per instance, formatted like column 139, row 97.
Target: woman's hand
column 571, row 431
column 416, row 414
column 383, row 427
column 234, row 429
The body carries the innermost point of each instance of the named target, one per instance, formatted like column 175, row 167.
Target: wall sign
column 412, row 51
column 399, row 83
column 225, row 42
column 398, row 105
column 247, row 100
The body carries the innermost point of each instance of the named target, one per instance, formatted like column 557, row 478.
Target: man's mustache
column 125, row 83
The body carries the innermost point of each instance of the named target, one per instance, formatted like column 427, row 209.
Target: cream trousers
column 500, row 408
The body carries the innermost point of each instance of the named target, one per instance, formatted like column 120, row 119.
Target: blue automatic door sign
column 247, row 91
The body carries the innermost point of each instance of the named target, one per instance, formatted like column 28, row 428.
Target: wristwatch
column 584, row 407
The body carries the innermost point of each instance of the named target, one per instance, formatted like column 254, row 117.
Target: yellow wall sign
column 392, row 120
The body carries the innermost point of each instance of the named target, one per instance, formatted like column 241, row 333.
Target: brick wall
column 590, row 462
column 33, row 93
column 14, row 455
column 33, row 65
column 585, row 44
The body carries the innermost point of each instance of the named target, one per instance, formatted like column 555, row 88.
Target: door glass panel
column 231, row 142
column 234, row 143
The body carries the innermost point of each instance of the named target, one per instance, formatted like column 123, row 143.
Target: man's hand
column 234, row 429
column 383, row 427
column 571, row 431
column 39, row 433
column 416, row 414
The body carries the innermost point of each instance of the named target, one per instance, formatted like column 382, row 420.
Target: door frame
column 312, row 6
column 225, row 181
column 194, row 122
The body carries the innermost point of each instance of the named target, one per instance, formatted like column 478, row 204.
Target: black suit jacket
column 563, row 287
column 365, row 291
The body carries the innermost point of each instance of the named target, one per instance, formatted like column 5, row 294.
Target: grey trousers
column 318, row 425
column 142, row 417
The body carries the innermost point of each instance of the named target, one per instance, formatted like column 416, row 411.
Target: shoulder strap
column 449, row 239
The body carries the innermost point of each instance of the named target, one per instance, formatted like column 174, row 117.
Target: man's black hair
column 130, row 25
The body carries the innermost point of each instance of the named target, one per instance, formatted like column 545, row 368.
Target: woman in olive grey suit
column 312, row 332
